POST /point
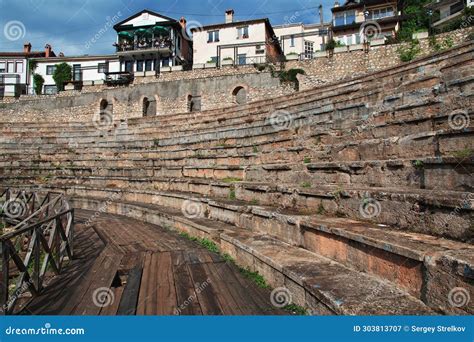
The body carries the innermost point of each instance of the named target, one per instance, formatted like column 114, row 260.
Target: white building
column 448, row 10
column 86, row 70
column 14, row 70
column 235, row 42
column 302, row 40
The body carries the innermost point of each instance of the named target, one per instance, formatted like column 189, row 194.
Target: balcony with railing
column 157, row 38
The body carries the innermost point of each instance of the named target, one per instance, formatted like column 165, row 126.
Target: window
column 19, row 67
column 165, row 62
column 242, row 58
column 243, row 32
column 344, row 18
column 2, row 67
column 140, row 66
column 102, row 68
column 213, row 37
column 149, row 65
column 50, row 89
column 292, row 41
column 129, row 66
column 381, row 13
column 50, row 69
column 11, row 67
column 308, row 49
column 76, row 72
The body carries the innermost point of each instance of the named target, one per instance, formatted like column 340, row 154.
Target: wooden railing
column 35, row 248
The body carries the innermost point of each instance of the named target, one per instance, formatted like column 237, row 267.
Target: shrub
column 62, row 75
column 409, row 52
column 38, row 82
column 416, row 19
column 290, row 76
column 331, row 45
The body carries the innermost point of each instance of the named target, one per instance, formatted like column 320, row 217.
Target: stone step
column 446, row 214
column 313, row 281
column 450, row 173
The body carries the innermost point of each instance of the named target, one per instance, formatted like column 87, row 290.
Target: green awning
column 141, row 32
column 125, row 34
column 160, row 29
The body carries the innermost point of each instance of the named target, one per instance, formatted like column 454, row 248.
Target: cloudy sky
column 69, row 25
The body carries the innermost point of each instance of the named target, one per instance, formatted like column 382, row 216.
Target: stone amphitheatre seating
column 356, row 196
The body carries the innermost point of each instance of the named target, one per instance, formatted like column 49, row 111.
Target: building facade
column 358, row 21
column 301, row 39
column 235, row 43
column 447, row 11
column 86, row 70
column 15, row 70
column 148, row 41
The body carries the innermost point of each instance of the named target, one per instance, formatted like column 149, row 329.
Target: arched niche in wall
column 240, row 95
column 194, row 103
column 149, row 106
column 106, row 110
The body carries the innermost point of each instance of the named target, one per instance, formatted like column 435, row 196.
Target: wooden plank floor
column 126, row 267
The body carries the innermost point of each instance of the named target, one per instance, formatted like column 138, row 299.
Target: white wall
column 299, row 46
column 90, row 73
column 204, row 51
column 23, row 73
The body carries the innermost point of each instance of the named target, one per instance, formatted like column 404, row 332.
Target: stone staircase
column 356, row 196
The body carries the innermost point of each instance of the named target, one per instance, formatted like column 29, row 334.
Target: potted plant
column 227, row 61
column 211, row 64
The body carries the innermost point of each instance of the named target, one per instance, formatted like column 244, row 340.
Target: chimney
column 183, row 22
column 61, row 54
column 321, row 14
column 229, row 16
column 47, row 50
column 336, row 4
column 27, row 47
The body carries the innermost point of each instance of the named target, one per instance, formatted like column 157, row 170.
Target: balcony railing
column 118, row 78
column 144, row 45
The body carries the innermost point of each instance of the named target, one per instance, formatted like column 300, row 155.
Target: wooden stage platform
column 127, row 267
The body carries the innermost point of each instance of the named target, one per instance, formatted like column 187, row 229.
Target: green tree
column 417, row 18
column 62, row 75
column 38, row 82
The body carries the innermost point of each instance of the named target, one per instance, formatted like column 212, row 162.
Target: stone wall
column 171, row 96
column 357, row 63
